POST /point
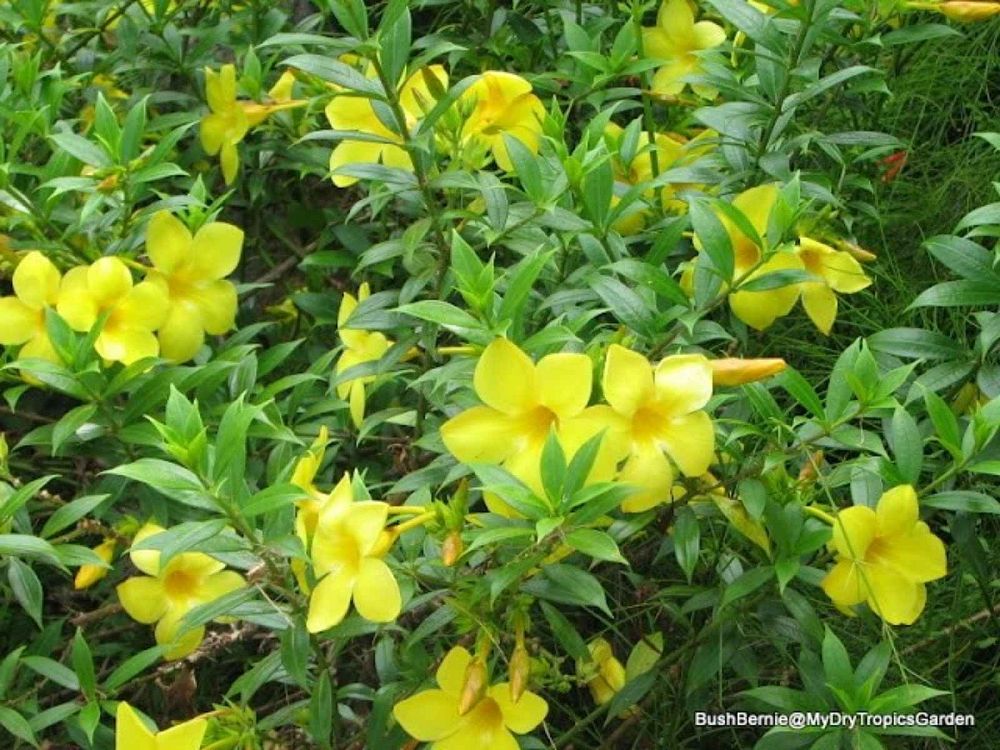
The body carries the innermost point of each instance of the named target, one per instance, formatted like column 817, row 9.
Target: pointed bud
column 385, row 541
column 90, row 574
column 734, row 371
column 857, row 252
column 474, row 686
column 811, row 468
column 452, row 548
column 964, row 11
column 518, row 671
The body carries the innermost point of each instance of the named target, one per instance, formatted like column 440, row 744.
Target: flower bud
column 474, row 686
column 452, row 548
column 734, row 371
column 90, row 574
column 968, row 11
column 518, row 671
column 811, row 467
column 856, row 251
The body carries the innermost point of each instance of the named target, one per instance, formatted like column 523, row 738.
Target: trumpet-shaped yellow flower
column 732, row 371
column 22, row 316
column 167, row 593
column 346, row 559
column 360, row 346
column 759, row 309
column 193, row 269
column 523, row 403
column 677, row 40
column 133, row 311
column 885, row 557
column 840, row 273
column 132, row 734
column 354, row 113
column 963, row 11
column 658, row 413
column 502, row 103
column 490, row 723
column 89, row 574
column 605, row 675
column 229, row 119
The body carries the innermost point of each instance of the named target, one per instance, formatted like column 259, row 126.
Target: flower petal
column 897, row 511
column 891, row 595
column 215, row 251
column 563, row 383
column 182, row 334
column 353, row 152
column 415, row 96
column 524, row 715
column 130, row 731
column 36, row 281
column 450, row 674
column 178, row 645
column 218, row 585
column 365, row 521
column 689, row 439
column 18, row 322
column 708, row 35
column 919, row 555
column 428, row 716
column 756, row 205
column 108, row 280
column 505, row 378
column 820, row 304
column 145, row 306
column 627, row 381
column 670, row 79
column 220, row 87
column 143, row 598
column 216, row 303
column 683, row 383
column 376, row 593
column 186, row 736
column 853, row 531
column 330, row 601
column 168, row 242
column 76, row 305
column 40, row 347
column 146, row 560
column 843, row 584
column 230, row 160
column 648, row 469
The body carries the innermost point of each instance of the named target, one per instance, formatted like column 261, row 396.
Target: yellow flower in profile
column 605, row 675
column 502, row 103
column 346, row 558
column 658, row 417
column 733, row 371
column 677, row 40
column 522, row 403
column 490, row 723
column 360, row 346
column 133, row 311
column 229, row 119
column 167, row 593
column 193, row 269
column 22, row 316
column 963, row 11
column 885, row 557
column 759, row 309
column 132, row 734
column 839, row 273
column 89, row 574
column 356, row 113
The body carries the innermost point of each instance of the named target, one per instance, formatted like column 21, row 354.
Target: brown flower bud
column 452, row 548
column 734, row 371
column 811, row 467
column 474, row 686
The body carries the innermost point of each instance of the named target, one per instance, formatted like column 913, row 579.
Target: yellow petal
column 168, row 242
column 683, row 383
column 186, row 736
column 182, row 335
column 36, row 281
column 353, row 152
column 130, row 731
column 177, row 644
column 143, row 598
column 145, row 306
column 756, row 205
column 897, row 511
column 918, row 554
column 218, row 585
column 18, row 322
column 669, row 80
column 356, row 113
column 108, row 280
column 376, row 593
column 126, row 345
column 522, row 716
column 854, row 531
column 891, row 595
column 230, row 161
column 648, row 469
column 220, row 88
column 838, row 268
column 505, row 378
column 357, row 402
column 364, row 522
column 40, row 347
column 676, row 18
column 76, row 305
column 215, row 130
column 395, row 156
column 563, row 383
column 689, row 440
column 215, row 251
column 627, row 381
column 415, row 95
column 820, row 304
column 657, row 44
column 482, row 727
column 428, row 716
column 330, row 601
column 281, row 91
column 450, row 674
column 146, row 560
column 708, row 35
column 216, row 302
column 843, row 584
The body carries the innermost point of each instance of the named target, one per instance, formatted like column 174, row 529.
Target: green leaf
column 68, row 425
column 687, row 541
column 626, row 305
column 907, row 445
column 564, row 632
column 332, row 70
column 20, row 497
column 50, row 669
column 26, row 587
column 597, row 544
column 132, row 667
column 633, row 691
column 565, row 584
column 968, row 259
column 442, row 313
column 836, row 662
column 271, row 499
column 826, row 83
column 714, row 238
column 967, row 293
column 962, row 500
column 83, row 665
column 914, row 343
column 746, row 584
column 553, row 468
column 17, row 725
column 81, row 149
column 25, row 545
column 800, row 389
column 68, row 514
column 321, row 710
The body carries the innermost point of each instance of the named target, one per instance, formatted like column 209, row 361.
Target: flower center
column 179, row 584
column 539, row 421
column 646, row 424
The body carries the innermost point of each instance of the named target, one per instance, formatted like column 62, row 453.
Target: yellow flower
column 759, row 309
column 165, row 594
column 884, row 557
column 963, row 11
column 502, row 103
column 658, row 413
column 132, row 734
column 193, row 271
column 523, row 402
column 22, row 316
column 605, row 675
column 280, row 97
column 839, row 273
column 359, row 346
column 345, row 557
column 90, row 574
column 227, row 123
column 677, row 40
column 133, row 311
column 356, row 113
column 732, row 371
column 490, row 724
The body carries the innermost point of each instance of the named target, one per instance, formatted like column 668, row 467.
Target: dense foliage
column 464, row 375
